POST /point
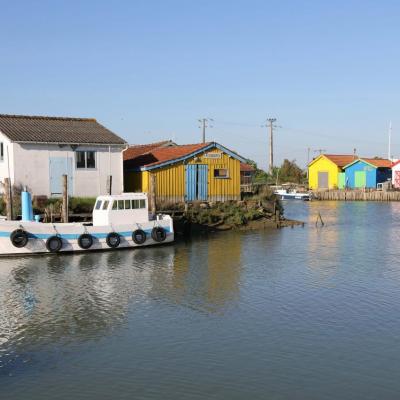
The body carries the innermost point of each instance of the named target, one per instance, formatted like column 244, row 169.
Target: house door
column 58, row 167
column 196, row 187
column 360, row 178
column 323, row 180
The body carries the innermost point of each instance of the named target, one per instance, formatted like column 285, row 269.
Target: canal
column 302, row 313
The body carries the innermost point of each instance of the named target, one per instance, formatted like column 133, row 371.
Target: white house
column 36, row 151
column 396, row 174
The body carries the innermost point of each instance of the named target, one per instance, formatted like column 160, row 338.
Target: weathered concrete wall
column 31, row 168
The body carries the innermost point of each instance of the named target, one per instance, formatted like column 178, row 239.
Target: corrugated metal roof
column 42, row 129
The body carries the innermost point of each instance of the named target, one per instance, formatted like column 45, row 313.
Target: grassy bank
column 262, row 210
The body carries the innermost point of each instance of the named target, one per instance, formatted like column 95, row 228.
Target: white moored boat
column 286, row 194
column 119, row 221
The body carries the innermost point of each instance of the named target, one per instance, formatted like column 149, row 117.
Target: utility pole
column 270, row 125
column 390, row 141
column 205, row 123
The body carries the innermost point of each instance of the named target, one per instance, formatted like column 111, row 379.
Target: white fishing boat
column 119, row 221
column 287, row 194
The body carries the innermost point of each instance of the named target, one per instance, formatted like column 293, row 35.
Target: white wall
column 31, row 168
column 6, row 165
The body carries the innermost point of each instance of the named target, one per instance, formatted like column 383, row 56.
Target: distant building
column 247, row 173
column 396, row 174
column 36, row 151
column 367, row 172
column 194, row 172
column 326, row 171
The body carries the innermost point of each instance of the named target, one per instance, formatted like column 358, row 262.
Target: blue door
column 196, row 182
column 58, row 167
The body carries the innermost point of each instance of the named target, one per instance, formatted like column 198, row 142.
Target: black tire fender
column 158, row 234
column 139, row 236
column 54, row 244
column 19, row 238
column 113, row 240
column 85, row 241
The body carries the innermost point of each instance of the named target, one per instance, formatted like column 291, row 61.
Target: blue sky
column 328, row 71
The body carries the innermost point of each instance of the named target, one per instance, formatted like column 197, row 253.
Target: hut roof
column 378, row 162
column 136, row 150
column 374, row 162
column 60, row 130
column 162, row 156
column 244, row 167
column 341, row 159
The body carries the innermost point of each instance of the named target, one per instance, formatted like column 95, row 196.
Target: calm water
column 300, row 313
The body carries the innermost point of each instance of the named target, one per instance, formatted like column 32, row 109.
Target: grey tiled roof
column 36, row 129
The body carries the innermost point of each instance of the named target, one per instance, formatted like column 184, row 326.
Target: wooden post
column 109, row 184
column 8, row 197
column 152, row 192
column 319, row 218
column 65, row 198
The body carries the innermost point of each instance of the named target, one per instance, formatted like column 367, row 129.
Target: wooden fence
column 356, row 195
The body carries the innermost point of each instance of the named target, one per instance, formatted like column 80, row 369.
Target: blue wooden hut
column 367, row 172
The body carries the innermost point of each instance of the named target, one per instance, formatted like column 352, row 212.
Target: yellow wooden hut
column 194, row 172
column 326, row 171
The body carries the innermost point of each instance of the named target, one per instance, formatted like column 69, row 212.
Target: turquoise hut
column 367, row 172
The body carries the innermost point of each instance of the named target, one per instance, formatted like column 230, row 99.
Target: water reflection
column 81, row 297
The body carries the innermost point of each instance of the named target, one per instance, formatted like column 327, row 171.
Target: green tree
column 291, row 172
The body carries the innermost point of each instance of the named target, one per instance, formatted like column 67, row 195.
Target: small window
column 1, row 151
column 85, row 159
column 127, row 204
column 98, row 205
column 120, row 204
column 142, row 203
column 135, row 204
column 221, row 173
column 115, row 205
column 80, row 159
column 90, row 159
column 105, row 205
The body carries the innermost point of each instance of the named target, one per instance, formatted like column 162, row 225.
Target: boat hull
column 38, row 233
column 294, row 197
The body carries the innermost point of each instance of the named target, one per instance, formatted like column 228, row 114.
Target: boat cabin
column 122, row 209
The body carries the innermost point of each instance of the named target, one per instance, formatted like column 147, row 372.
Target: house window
column 86, row 159
column 221, row 173
column 1, row 151
column 90, row 159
